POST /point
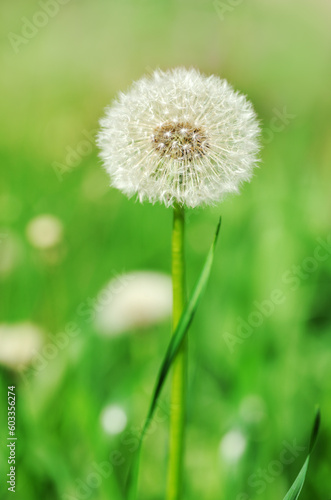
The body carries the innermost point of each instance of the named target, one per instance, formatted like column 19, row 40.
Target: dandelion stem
column 178, row 394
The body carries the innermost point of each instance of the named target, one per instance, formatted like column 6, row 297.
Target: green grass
column 53, row 90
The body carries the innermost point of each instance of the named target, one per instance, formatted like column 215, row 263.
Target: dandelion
column 179, row 137
column 19, row 343
column 44, row 231
column 233, row 446
column 135, row 300
column 113, row 419
column 182, row 139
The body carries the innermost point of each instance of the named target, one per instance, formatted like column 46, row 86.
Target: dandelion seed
column 179, row 137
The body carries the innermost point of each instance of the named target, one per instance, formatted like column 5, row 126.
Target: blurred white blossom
column 133, row 301
column 113, row 419
column 19, row 343
column 233, row 446
column 44, row 231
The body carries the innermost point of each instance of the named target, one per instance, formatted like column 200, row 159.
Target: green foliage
column 174, row 346
column 297, row 486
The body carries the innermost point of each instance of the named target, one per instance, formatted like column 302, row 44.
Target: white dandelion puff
column 44, row 231
column 233, row 446
column 19, row 343
column 136, row 300
column 113, row 419
column 179, row 137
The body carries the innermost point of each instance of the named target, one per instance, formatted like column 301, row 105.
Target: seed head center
column 180, row 140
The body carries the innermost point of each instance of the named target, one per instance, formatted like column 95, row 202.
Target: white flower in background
column 179, row 137
column 44, row 231
column 233, row 446
column 113, row 419
column 135, row 300
column 19, row 343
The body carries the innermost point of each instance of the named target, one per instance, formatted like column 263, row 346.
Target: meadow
column 259, row 346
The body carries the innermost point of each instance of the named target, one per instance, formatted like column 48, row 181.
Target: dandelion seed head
column 179, row 137
column 179, row 140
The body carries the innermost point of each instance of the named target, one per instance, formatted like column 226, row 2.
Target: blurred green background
column 249, row 399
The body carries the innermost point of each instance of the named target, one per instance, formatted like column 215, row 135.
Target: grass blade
column 296, row 487
column 173, row 348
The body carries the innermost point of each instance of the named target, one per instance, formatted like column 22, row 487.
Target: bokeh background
column 65, row 234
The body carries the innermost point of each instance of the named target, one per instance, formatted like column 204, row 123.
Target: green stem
column 178, row 394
